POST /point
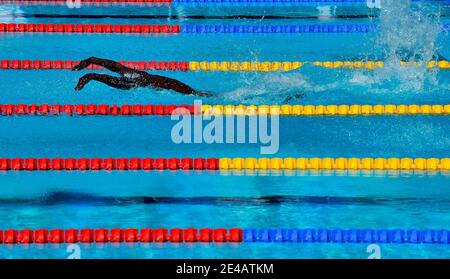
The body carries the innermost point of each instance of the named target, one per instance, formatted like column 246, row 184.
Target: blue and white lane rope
column 187, row 29
column 394, row 236
column 315, row 28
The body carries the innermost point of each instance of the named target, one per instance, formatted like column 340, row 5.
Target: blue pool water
column 386, row 200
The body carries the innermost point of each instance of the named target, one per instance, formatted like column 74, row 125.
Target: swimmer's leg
column 105, row 63
column 115, row 82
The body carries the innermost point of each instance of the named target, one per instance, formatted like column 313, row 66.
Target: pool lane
column 72, row 187
column 317, row 136
column 185, row 46
column 365, row 214
column 316, row 86
column 220, row 251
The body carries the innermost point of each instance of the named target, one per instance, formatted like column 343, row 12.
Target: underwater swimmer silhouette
column 402, row 54
column 131, row 78
column 407, row 55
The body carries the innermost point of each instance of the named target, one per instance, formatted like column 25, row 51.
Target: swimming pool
column 319, row 201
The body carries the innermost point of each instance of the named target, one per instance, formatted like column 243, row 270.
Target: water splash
column 407, row 33
column 271, row 86
column 10, row 13
column 278, row 87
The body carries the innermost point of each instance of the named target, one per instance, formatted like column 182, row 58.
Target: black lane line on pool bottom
column 55, row 198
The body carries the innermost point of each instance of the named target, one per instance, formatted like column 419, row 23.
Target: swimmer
column 403, row 55
column 293, row 97
column 131, row 78
column 407, row 56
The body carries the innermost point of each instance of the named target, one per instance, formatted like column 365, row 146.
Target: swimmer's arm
column 175, row 85
column 203, row 94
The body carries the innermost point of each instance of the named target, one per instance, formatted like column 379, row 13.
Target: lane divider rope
column 87, row 2
column 68, row 64
column 42, row 236
column 367, row 3
column 85, row 164
column 283, row 110
column 334, row 164
column 221, row 235
column 57, row 164
column 272, row 66
column 309, row 110
column 215, row 66
column 194, row 28
column 333, row 173
column 270, row 28
column 87, row 28
column 394, row 236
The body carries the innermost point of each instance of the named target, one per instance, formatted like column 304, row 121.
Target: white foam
column 411, row 29
column 406, row 32
column 11, row 13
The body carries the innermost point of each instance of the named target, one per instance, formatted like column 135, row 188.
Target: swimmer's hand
column 83, row 81
column 78, row 87
column 204, row 94
column 82, row 65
